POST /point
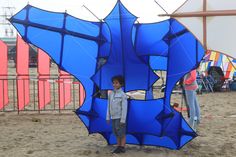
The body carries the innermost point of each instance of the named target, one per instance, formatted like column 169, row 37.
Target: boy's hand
column 122, row 124
column 108, row 121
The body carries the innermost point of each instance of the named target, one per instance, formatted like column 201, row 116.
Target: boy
column 117, row 112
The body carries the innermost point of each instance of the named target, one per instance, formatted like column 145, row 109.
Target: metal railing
column 33, row 105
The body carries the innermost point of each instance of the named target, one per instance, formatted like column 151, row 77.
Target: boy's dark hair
column 119, row 78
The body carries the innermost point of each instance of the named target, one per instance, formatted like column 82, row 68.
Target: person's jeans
column 194, row 108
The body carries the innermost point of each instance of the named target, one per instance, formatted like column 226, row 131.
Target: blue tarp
column 129, row 49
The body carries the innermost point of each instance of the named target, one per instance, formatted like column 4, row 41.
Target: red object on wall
column 64, row 89
column 44, row 95
column 22, row 70
column 81, row 94
column 3, row 75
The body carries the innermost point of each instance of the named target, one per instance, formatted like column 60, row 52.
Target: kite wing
column 73, row 44
column 170, row 47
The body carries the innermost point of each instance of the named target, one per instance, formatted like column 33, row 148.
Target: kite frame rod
column 92, row 13
column 54, row 29
column 203, row 13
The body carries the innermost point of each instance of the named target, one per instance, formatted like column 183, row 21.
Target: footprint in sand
column 85, row 152
column 36, row 120
column 30, row 152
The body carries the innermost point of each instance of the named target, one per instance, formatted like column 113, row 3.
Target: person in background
column 117, row 112
column 190, row 87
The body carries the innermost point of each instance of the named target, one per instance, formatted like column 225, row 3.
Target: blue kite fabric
column 130, row 49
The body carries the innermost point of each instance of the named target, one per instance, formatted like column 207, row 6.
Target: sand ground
column 53, row 135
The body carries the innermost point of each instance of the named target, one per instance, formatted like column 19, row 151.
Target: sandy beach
column 53, row 134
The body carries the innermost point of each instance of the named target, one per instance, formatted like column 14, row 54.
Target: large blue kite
column 129, row 49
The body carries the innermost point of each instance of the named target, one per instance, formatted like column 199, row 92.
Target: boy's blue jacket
column 117, row 106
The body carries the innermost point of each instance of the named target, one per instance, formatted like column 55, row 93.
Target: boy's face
column 116, row 84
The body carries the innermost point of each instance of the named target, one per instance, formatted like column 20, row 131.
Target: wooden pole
column 205, row 26
column 203, row 13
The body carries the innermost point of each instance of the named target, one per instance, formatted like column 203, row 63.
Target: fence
column 62, row 93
